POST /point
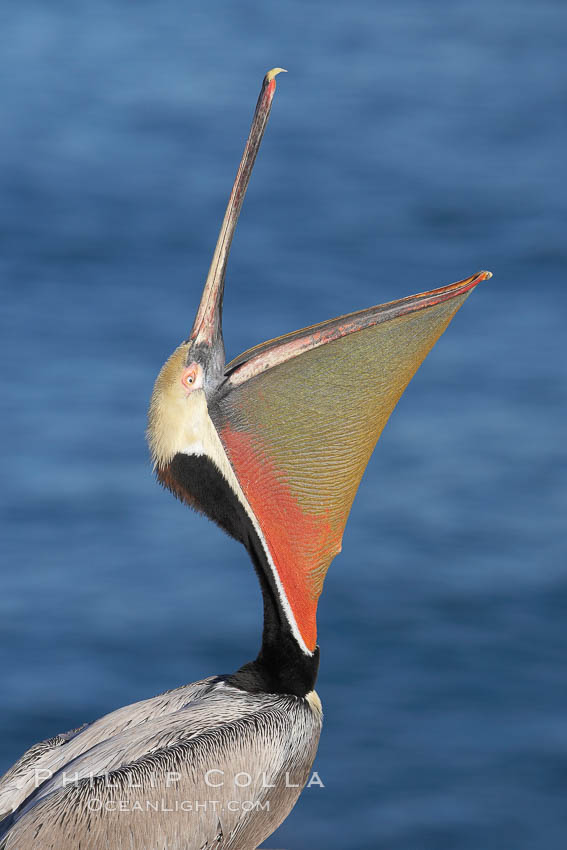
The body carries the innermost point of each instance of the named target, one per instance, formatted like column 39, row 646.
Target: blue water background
column 410, row 145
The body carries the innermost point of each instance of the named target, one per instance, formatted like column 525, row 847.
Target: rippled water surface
column 410, row 145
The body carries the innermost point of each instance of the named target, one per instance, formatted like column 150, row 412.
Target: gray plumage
column 203, row 766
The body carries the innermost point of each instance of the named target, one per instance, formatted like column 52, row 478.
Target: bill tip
column 273, row 73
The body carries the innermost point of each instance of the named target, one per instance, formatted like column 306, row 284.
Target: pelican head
column 195, row 369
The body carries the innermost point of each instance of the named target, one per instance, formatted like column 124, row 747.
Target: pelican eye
column 189, row 377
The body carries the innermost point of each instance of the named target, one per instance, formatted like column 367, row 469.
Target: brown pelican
column 272, row 447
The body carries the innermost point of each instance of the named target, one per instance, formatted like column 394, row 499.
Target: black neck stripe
column 281, row 666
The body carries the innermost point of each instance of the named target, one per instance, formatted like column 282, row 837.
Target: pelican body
column 271, row 447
